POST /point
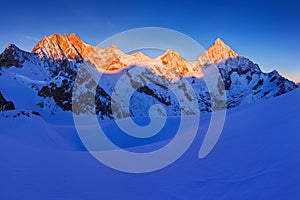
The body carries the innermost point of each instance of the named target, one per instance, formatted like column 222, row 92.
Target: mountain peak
column 139, row 54
column 113, row 51
column 217, row 52
column 112, row 48
column 58, row 47
column 173, row 60
column 171, row 52
column 13, row 56
column 11, row 47
column 219, row 41
column 170, row 55
column 73, row 35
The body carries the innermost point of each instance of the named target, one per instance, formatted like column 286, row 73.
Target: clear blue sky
column 267, row 32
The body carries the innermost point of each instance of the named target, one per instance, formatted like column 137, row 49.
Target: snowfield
column 256, row 157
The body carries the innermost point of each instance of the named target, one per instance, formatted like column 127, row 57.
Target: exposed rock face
column 57, row 48
column 12, row 56
column 174, row 61
column 82, row 48
column 60, row 92
column 218, row 52
column 108, row 60
column 5, row 105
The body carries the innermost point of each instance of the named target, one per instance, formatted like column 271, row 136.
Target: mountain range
column 42, row 80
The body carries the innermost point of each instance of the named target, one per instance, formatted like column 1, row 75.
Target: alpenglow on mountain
column 42, row 80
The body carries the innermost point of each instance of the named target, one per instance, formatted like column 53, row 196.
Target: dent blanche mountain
column 42, row 80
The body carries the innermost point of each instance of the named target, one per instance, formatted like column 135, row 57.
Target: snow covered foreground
column 257, row 157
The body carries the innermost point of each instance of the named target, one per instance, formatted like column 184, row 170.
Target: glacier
column 256, row 157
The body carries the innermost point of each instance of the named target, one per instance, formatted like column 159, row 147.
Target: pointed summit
column 217, row 52
column 170, row 56
column 10, row 56
column 140, row 55
column 219, row 41
column 173, row 60
column 13, row 56
column 58, row 47
column 12, row 47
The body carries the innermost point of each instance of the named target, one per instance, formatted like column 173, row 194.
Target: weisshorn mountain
column 42, row 81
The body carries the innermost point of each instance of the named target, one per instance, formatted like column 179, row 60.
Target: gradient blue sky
column 267, row 32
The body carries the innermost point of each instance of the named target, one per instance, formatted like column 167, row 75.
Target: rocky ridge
column 60, row 57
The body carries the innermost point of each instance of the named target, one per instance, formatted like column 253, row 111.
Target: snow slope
column 257, row 157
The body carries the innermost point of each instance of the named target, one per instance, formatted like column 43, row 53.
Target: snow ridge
column 50, row 70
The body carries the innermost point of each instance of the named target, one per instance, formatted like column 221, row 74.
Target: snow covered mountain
column 46, row 77
column 256, row 156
